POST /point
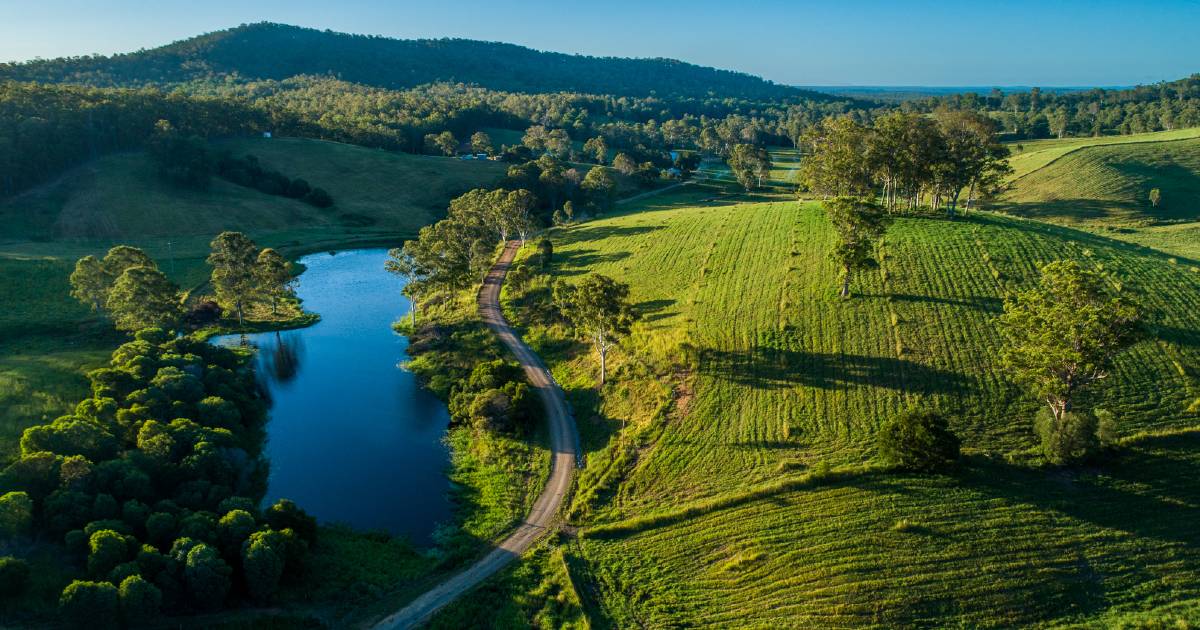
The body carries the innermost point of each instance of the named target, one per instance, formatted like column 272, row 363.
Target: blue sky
column 838, row 42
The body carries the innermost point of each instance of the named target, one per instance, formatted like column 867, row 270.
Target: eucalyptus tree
column 481, row 142
column 90, row 282
column 834, row 163
column 596, row 148
column 234, row 261
column 599, row 309
column 142, row 297
column 274, row 275
column 859, row 224
column 750, row 165
column 1062, row 336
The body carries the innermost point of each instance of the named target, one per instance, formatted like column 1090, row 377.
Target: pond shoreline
column 351, row 437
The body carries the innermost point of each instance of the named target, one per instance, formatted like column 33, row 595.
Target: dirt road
column 563, row 442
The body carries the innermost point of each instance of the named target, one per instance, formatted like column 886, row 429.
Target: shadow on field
column 765, row 367
column 1065, row 209
column 589, row 232
column 983, row 303
column 653, row 310
column 1177, row 336
column 576, row 262
column 1149, row 490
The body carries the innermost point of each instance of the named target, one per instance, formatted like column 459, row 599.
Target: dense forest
column 397, row 64
column 1040, row 114
column 393, row 94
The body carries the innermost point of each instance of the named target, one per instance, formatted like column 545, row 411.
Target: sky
column 832, row 42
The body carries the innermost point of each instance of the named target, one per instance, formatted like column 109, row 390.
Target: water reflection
column 281, row 360
column 352, row 437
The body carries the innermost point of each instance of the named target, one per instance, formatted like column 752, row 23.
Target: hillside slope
column 1111, row 184
column 771, row 377
column 1031, row 155
column 394, row 63
column 120, row 197
column 48, row 340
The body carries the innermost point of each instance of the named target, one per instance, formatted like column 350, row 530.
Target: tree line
column 906, row 160
column 1096, row 112
column 127, row 287
column 187, row 161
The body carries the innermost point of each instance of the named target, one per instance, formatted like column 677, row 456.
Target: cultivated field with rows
column 778, row 388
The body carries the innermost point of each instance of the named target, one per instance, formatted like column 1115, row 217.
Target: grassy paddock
column 748, row 390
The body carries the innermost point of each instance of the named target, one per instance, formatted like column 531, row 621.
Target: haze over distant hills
column 277, row 51
column 893, row 93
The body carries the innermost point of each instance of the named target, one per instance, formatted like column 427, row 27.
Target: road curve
column 562, row 439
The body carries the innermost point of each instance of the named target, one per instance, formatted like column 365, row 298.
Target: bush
column 139, row 600
column 1069, row 440
column 319, row 198
column 263, row 558
column 286, row 514
column 16, row 514
column 918, row 440
column 107, row 549
column 90, row 604
column 206, row 576
column 14, row 576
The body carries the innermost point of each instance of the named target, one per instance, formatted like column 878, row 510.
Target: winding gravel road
column 563, row 441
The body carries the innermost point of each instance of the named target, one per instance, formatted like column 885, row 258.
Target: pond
column 352, row 438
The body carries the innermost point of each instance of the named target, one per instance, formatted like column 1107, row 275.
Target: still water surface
column 352, row 438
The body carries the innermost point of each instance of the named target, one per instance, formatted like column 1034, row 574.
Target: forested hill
column 278, row 51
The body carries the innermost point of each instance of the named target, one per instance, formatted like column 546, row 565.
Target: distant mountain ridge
column 278, row 51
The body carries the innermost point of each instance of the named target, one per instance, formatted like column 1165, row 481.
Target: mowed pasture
column 990, row 546
column 1031, row 155
column 121, row 198
column 782, row 369
column 777, row 376
column 1110, row 185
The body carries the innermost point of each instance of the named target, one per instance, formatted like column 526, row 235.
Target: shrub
column 139, row 600
column 286, row 514
column 263, row 557
column 918, row 440
column 1069, row 440
column 16, row 514
column 90, row 604
column 14, row 576
column 107, row 549
column 206, row 576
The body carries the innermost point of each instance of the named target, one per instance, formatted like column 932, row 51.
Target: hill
column 394, row 64
column 751, row 396
column 121, row 198
column 48, row 340
column 1103, row 185
column 1031, row 155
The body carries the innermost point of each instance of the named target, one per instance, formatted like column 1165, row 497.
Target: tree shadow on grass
column 577, row 262
column 654, row 310
column 1176, row 335
column 764, row 367
column 983, row 303
column 591, row 232
column 1062, row 232
column 1149, row 490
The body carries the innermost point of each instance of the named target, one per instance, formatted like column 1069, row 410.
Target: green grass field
column 764, row 376
column 1110, row 184
column 1035, row 154
column 782, row 179
column 1103, row 185
column 48, row 341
